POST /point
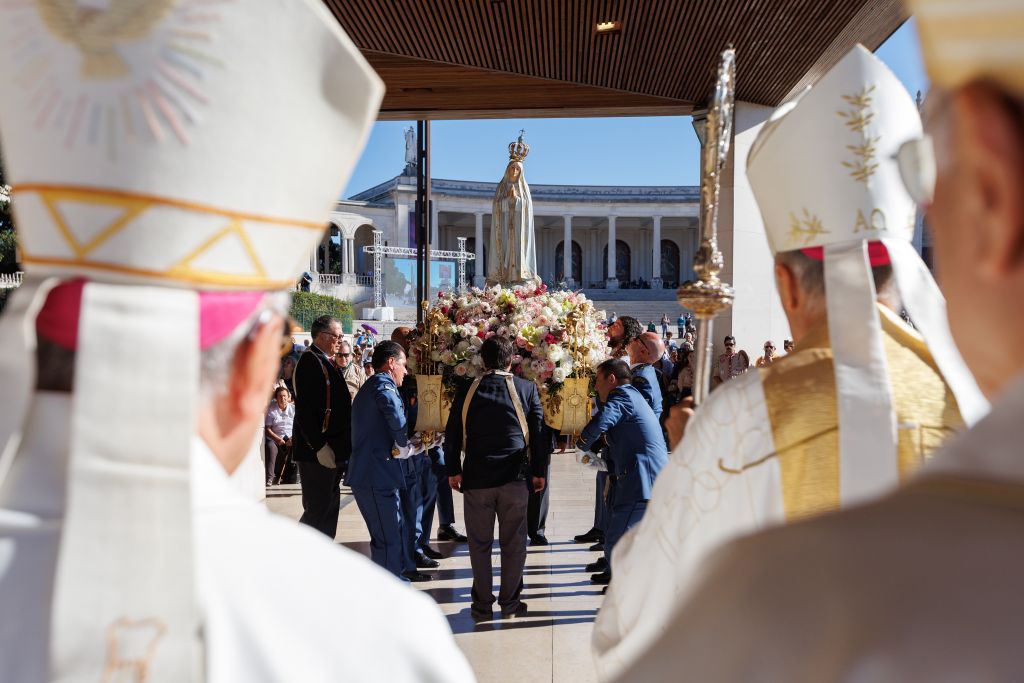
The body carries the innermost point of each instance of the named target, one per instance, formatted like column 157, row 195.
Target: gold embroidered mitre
column 821, row 166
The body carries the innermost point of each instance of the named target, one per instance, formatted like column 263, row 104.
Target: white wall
column 756, row 314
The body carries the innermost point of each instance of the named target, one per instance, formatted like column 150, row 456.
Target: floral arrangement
column 557, row 334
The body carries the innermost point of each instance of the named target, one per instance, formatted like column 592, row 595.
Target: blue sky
column 613, row 151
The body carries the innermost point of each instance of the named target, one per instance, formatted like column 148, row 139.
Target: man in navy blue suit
column 498, row 423
column 379, row 443
column 621, row 334
column 636, row 451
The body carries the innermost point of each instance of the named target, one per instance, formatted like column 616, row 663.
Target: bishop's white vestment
column 762, row 450
column 922, row 585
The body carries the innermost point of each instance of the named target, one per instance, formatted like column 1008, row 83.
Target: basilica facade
column 652, row 231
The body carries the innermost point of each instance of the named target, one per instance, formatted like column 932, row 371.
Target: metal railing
column 11, row 280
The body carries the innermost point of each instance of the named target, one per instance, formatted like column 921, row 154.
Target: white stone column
column 327, row 251
column 478, row 248
column 567, row 250
column 436, row 228
column 756, row 314
column 656, row 254
column 612, row 282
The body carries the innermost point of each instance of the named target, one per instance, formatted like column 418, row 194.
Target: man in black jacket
column 498, row 423
column 322, row 431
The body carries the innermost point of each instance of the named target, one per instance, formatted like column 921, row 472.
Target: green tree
column 308, row 306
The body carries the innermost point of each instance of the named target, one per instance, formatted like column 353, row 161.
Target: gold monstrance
column 707, row 296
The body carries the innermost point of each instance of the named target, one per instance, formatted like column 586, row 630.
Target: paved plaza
column 552, row 643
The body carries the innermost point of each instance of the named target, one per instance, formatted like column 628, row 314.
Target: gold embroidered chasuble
column 762, row 450
column 799, row 392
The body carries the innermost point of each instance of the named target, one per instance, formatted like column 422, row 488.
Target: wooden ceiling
column 446, row 59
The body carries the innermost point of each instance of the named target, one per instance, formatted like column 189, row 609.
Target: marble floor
column 552, row 643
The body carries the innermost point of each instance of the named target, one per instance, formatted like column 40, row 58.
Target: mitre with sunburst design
column 165, row 141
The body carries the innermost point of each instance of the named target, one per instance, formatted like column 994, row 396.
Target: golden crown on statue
column 518, row 150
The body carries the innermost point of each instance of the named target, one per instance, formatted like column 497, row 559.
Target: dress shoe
column 417, row 577
column 602, row 579
column 424, row 562
column 591, row 536
column 519, row 611
column 479, row 615
column 431, row 553
column 597, row 547
column 448, row 532
column 598, row 566
column 538, row 539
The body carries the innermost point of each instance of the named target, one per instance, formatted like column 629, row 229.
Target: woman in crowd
column 685, row 377
column 744, row 360
column 280, row 416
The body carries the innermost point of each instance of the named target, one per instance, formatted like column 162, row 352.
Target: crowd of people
column 847, row 511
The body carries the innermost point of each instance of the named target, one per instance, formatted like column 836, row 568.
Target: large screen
column 399, row 280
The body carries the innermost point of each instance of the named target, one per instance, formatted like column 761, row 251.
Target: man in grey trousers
column 497, row 422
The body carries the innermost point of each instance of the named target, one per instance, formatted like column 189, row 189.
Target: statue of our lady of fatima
column 511, row 249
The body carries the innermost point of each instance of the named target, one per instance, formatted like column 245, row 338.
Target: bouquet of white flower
column 558, row 335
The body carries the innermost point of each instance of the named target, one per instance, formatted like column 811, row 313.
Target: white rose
column 477, row 360
column 559, row 374
column 555, row 352
column 461, row 346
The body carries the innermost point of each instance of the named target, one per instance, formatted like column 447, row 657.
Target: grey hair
column 215, row 363
column 810, row 277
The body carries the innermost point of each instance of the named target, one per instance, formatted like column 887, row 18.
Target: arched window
column 577, row 262
column 623, row 272
column 670, row 263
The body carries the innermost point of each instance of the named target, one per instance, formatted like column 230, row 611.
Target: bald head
column 646, row 348
column 654, row 345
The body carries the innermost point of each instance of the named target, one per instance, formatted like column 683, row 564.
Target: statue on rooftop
column 512, row 254
column 410, row 152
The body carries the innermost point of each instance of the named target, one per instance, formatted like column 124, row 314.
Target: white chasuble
column 762, row 450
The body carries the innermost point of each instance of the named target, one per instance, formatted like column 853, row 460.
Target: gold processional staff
column 707, row 296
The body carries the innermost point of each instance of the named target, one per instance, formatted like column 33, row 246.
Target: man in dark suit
column 498, row 422
column 321, row 440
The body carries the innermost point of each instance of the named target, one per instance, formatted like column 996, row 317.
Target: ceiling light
column 608, row 27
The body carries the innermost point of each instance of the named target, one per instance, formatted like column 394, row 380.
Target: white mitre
column 824, row 175
column 965, row 41
column 160, row 150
